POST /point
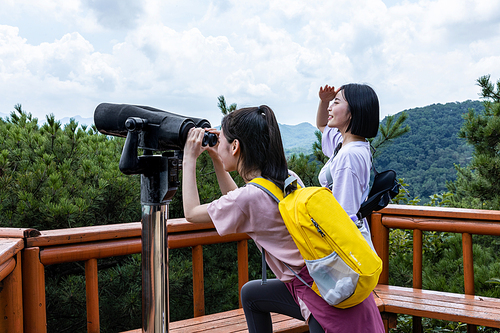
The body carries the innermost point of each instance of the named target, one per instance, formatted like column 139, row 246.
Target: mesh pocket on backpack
column 336, row 281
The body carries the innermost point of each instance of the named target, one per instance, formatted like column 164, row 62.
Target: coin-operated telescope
column 152, row 130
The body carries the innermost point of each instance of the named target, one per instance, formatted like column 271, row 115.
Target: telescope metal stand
column 155, row 311
column 159, row 182
column 158, row 185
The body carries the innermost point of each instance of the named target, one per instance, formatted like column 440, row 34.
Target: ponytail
column 258, row 133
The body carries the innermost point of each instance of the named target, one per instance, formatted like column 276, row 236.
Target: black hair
column 364, row 107
column 258, row 134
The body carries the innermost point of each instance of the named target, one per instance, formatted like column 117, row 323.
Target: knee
column 248, row 290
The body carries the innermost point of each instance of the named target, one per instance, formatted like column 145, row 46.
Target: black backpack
column 384, row 188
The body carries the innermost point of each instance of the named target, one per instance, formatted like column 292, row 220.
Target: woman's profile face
column 339, row 115
column 225, row 151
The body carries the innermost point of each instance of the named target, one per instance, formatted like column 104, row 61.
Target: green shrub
column 55, row 177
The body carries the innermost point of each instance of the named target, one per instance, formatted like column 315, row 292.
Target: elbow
column 188, row 215
column 196, row 216
column 189, row 218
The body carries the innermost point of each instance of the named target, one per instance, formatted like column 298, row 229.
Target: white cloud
column 66, row 57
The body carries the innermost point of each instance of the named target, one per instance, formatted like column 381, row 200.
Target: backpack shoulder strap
column 274, row 191
column 269, row 187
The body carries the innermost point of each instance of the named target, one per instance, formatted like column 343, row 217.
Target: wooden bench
column 475, row 310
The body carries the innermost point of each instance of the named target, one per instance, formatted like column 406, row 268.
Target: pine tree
column 478, row 184
column 54, row 176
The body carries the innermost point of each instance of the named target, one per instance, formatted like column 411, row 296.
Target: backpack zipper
column 318, row 228
column 344, row 256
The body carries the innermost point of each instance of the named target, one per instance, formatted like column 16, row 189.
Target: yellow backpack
column 343, row 266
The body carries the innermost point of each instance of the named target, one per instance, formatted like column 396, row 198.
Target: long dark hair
column 259, row 138
column 364, row 108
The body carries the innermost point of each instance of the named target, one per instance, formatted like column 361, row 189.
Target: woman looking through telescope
column 250, row 143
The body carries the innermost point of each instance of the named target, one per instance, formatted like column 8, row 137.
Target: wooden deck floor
column 232, row 322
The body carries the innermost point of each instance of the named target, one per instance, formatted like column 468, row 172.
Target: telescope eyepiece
column 209, row 139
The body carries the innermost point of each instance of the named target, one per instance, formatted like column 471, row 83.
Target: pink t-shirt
column 250, row 210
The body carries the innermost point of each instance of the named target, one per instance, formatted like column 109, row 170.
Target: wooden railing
column 91, row 243
column 26, row 310
column 422, row 218
column 11, row 293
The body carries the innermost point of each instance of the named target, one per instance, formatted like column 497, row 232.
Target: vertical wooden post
column 468, row 271
column 417, row 273
column 11, row 298
column 468, row 264
column 92, row 289
column 380, row 239
column 417, row 258
column 242, row 266
column 380, row 235
column 198, row 281
column 34, row 308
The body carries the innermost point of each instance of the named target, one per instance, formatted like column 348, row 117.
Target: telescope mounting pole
column 159, row 182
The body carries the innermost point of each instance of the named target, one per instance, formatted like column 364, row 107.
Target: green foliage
column 222, row 105
column 317, row 151
column 440, row 200
column 391, row 129
column 425, row 157
column 443, row 270
column 478, row 184
column 306, row 167
column 61, row 177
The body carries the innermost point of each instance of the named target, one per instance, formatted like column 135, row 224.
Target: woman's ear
column 235, row 147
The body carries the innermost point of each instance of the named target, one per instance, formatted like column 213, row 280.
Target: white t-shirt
column 252, row 211
column 350, row 169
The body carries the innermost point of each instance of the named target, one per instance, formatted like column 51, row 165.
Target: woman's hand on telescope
column 193, row 147
column 212, row 151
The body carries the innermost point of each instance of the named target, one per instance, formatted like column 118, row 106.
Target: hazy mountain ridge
column 298, row 138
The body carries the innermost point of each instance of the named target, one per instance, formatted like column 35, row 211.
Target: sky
column 65, row 57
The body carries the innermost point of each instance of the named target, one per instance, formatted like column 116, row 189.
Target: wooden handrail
column 90, row 243
column 11, row 303
column 425, row 218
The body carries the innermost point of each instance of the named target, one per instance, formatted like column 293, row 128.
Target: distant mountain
column 79, row 120
column 298, row 138
column 425, row 157
column 64, row 121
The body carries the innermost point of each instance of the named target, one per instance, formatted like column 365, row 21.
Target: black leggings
column 260, row 300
